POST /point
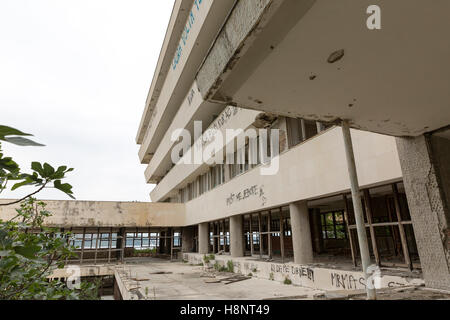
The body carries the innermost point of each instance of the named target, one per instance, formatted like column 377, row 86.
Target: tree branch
column 26, row 197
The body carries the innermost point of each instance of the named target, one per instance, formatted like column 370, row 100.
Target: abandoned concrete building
column 263, row 64
column 259, row 64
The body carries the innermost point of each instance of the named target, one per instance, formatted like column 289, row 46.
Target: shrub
column 230, row 266
column 287, row 281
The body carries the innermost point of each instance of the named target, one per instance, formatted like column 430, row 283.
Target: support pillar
column 425, row 165
column 203, row 238
column 236, row 237
column 187, row 239
column 301, row 233
column 357, row 207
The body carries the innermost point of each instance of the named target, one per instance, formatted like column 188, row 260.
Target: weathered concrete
column 314, row 169
column 171, row 41
column 161, row 280
column 231, row 41
column 107, row 214
column 305, row 275
column 83, row 271
column 263, row 61
column 236, row 237
column 187, row 241
column 203, row 21
column 301, row 233
column 425, row 163
column 203, row 238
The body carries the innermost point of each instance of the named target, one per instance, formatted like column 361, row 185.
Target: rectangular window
column 333, row 225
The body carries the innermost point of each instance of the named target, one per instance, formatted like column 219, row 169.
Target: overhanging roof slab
column 393, row 81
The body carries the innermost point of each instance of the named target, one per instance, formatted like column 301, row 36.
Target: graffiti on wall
column 253, row 191
column 347, row 281
column 221, row 120
column 186, row 32
column 298, row 271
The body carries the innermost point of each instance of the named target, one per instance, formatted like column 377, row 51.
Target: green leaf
column 8, row 164
column 24, row 142
column 66, row 188
column 21, row 184
column 28, row 251
column 36, row 166
column 48, row 170
column 8, row 131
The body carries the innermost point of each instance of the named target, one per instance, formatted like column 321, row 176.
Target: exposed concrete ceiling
column 393, row 81
column 443, row 134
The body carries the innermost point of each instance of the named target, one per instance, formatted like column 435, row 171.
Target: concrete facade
column 236, row 237
column 288, row 65
column 203, row 238
column 425, row 162
column 301, row 234
column 304, row 275
column 85, row 214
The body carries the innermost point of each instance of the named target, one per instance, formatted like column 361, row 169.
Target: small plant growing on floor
column 230, row 266
column 287, row 281
column 271, row 277
column 255, row 270
column 250, row 275
column 207, row 259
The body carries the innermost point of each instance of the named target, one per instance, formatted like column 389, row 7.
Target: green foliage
column 287, row 281
column 16, row 137
column 29, row 251
column 220, row 268
column 207, row 259
column 271, row 276
column 230, row 266
column 41, row 175
column 29, row 258
column 255, row 270
column 250, row 274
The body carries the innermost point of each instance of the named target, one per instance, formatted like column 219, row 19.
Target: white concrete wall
column 302, row 275
column 194, row 108
column 208, row 16
column 107, row 214
column 181, row 174
column 313, row 169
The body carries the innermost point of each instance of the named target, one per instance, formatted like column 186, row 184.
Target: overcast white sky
column 76, row 73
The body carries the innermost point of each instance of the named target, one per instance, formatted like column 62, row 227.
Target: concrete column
column 227, row 172
column 203, row 238
column 236, row 237
column 187, row 240
column 425, row 165
column 301, row 233
column 317, row 228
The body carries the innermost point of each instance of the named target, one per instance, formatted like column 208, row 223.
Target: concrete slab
column 181, row 281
